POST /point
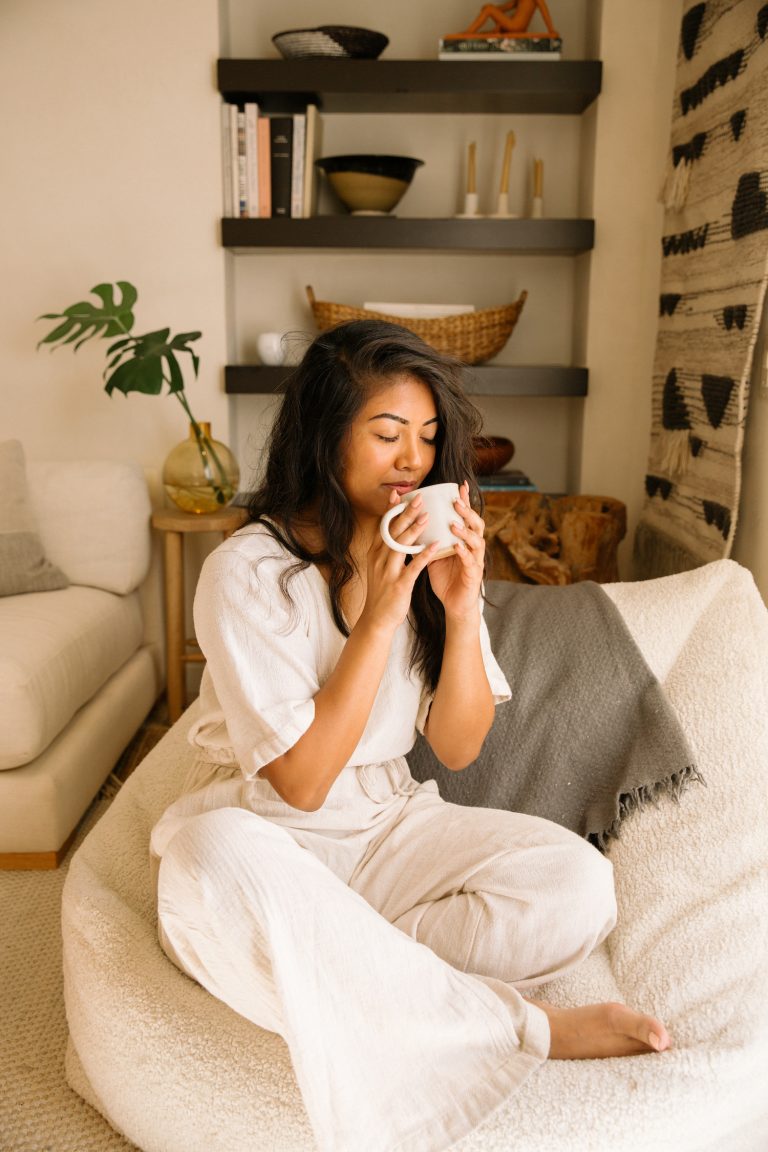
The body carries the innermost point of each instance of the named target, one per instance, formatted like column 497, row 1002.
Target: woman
column 305, row 878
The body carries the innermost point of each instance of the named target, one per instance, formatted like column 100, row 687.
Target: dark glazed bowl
column 491, row 453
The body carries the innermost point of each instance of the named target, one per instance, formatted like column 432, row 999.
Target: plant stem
column 204, row 447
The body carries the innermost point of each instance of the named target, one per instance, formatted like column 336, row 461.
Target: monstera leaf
column 82, row 321
column 135, row 363
column 144, row 363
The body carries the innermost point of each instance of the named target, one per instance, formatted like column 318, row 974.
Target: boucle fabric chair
column 177, row 1071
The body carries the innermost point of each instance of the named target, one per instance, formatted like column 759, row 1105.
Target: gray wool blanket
column 589, row 734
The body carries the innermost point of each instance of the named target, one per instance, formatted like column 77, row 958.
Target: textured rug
column 39, row 1112
column 715, row 248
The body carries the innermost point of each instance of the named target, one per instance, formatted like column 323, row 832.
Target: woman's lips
column 401, row 488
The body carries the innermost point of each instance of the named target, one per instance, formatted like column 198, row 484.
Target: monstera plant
column 144, row 363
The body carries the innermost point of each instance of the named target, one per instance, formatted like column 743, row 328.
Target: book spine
column 281, row 155
column 251, row 159
column 501, row 45
column 297, row 164
column 226, row 162
column 311, row 152
column 234, row 207
column 242, row 177
column 265, row 182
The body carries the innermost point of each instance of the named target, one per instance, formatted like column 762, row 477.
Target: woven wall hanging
column 713, row 280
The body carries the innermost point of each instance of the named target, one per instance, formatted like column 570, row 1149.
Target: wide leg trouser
column 396, row 992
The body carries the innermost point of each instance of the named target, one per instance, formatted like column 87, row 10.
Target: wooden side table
column 179, row 651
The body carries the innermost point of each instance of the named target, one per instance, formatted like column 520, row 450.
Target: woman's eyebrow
column 399, row 419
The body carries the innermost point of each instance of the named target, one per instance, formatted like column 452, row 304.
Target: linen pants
column 390, row 959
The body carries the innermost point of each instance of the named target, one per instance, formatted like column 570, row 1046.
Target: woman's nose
column 409, row 457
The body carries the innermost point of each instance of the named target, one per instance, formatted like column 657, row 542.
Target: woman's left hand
column 457, row 580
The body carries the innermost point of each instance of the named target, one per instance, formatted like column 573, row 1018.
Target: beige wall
column 109, row 144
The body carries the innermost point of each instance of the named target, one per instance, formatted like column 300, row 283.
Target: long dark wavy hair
column 340, row 370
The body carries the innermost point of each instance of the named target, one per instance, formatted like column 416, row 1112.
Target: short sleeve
column 496, row 678
column 260, row 660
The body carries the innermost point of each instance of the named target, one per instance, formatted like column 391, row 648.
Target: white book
column 313, row 134
column 226, row 162
column 297, row 164
column 251, row 160
column 234, row 207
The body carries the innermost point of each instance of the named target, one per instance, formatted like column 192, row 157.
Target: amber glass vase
column 201, row 474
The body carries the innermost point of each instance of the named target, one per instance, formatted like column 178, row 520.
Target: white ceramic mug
column 438, row 501
column 270, row 348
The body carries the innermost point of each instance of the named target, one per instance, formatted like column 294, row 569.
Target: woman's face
column 390, row 446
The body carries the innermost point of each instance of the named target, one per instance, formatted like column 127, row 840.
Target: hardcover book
column 500, row 47
column 281, row 161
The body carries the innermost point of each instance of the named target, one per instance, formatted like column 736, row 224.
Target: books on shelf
column 499, row 48
column 268, row 161
column 511, row 480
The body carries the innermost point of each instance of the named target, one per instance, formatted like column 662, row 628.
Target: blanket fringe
column 639, row 798
column 672, row 454
column 674, row 192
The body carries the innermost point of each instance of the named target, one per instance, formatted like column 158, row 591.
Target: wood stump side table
column 179, row 651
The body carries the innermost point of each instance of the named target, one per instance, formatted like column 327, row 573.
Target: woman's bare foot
column 600, row 1030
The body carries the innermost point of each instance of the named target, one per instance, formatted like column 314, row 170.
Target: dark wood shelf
column 530, row 237
column 543, row 87
column 480, row 380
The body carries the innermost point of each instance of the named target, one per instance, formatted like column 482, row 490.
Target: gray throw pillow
column 23, row 564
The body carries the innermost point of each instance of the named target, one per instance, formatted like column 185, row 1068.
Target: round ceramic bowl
column 369, row 185
column 491, row 453
column 330, row 40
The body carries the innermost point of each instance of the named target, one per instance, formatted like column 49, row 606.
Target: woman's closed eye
column 393, row 439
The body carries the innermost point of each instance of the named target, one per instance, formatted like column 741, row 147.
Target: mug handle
column 406, row 549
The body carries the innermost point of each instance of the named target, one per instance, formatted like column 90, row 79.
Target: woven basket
column 472, row 337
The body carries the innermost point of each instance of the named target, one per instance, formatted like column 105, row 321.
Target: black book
column 281, row 153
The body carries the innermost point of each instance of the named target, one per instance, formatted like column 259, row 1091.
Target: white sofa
column 175, row 1070
column 77, row 677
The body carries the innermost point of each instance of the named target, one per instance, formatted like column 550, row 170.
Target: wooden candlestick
column 507, row 164
column 537, row 207
column 502, row 203
column 471, row 168
column 470, row 197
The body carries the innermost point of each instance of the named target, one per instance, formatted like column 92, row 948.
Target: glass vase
column 201, row 475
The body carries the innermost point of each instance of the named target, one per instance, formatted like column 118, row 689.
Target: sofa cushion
column 24, row 567
column 93, row 518
column 58, row 649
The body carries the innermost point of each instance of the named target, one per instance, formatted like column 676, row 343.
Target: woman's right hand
column 390, row 580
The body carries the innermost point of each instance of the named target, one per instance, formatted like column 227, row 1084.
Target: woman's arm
column 462, row 709
column 303, row 775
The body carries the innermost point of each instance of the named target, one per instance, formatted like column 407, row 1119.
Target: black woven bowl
column 330, row 40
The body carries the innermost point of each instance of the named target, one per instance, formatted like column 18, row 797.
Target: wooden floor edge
column 36, row 861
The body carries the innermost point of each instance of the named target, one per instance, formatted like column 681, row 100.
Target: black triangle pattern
column 716, row 392
column 674, row 410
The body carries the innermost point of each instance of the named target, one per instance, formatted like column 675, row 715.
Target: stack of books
column 500, row 47
column 268, row 162
column 511, row 480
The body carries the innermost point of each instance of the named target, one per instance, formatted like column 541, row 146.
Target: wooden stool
column 179, row 651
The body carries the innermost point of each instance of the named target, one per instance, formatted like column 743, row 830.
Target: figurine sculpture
column 511, row 19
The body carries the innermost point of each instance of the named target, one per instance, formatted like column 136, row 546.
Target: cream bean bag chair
column 176, row 1071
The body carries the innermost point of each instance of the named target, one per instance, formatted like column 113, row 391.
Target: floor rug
column 39, row 1112
column 713, row 281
